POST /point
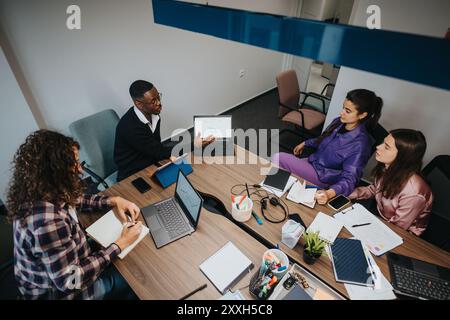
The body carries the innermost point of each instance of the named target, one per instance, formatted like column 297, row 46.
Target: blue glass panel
column 415, row 58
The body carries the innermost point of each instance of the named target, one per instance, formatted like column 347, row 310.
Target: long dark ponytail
column 364, row 101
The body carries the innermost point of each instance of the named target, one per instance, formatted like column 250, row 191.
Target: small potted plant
column 314, row 247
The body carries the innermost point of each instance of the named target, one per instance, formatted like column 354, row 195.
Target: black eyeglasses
column 153, row 101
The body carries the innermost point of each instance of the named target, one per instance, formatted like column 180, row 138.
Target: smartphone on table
column 339, row 202
column 141, row 185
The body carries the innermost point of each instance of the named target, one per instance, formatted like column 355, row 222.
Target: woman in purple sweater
column 399, row 194
column 342, row 151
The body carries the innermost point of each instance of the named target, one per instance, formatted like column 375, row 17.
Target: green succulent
column 314, row 245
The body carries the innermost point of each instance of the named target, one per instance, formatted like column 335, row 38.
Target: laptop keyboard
column 172, row 219
column 418, row 284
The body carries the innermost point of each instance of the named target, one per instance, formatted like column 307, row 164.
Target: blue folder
column 169, row 174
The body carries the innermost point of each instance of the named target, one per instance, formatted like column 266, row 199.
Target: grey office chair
column 437, row 174
column 96, row 134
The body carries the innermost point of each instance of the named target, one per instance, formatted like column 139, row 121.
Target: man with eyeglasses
column 138, row 140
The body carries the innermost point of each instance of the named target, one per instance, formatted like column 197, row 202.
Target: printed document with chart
column 366, row 227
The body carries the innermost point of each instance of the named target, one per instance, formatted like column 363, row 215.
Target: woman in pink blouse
column 402, row 196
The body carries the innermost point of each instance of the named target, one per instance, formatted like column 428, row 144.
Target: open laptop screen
column 217, row 126
column 188, row 198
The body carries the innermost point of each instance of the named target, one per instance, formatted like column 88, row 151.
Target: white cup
column 244, row 213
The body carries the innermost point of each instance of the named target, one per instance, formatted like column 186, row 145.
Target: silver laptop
column 176, row 217
column 220, row 128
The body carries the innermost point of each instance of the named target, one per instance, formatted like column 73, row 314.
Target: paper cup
column 244, row 213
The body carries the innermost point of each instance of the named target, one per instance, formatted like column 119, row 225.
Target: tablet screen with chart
column 217, row 126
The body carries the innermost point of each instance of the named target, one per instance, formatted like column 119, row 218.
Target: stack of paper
column 327, row 226
column 300, row 194
column 369, row 229
column 108, row 229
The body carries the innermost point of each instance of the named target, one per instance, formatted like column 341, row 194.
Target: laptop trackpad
column 154, row 223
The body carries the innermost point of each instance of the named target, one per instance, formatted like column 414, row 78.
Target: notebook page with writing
column 327, row 226
column 108, row 229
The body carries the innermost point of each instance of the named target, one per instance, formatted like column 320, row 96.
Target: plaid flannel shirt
column 52, row 257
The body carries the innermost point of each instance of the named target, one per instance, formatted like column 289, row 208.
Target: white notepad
column 108, row 229
column 327, row 226
column 225, row 267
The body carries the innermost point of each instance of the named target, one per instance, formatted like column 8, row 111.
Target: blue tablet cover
column 350, row 262
column 169, row 174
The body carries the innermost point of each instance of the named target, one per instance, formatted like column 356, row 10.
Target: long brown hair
column 44, row 169
column 364, row 101
column 411, row 146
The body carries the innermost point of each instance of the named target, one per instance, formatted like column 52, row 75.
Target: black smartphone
column 339, row 202
column 141, row 185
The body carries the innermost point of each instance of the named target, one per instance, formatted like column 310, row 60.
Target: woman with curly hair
column 53, row 259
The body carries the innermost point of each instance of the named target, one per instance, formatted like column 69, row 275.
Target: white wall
column 16, row 121
column 407, row 104
column 76, row 73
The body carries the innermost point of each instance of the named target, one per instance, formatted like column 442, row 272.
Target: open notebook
column 108, row 229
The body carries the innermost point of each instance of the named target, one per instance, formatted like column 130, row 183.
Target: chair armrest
column 326, row 86
column 312, row 95
column 94, row 175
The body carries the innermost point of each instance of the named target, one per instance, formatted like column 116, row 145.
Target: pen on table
column 372, row 269
column 195, row 291
column 360, row 225
column 258, row 219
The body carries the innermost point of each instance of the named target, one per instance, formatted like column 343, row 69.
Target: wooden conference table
column 173, row 270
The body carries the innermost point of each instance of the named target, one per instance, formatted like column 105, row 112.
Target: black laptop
column 418, row 279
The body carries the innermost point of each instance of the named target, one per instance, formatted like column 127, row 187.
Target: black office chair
column 437, row 174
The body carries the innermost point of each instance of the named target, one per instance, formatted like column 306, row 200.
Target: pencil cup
column 291, row 232
column 277, row 260
column 242, row 212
